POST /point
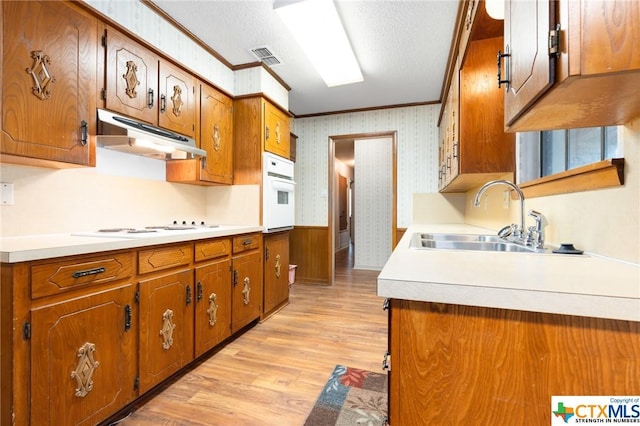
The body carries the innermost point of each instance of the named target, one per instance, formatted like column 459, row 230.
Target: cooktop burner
column 148, row 231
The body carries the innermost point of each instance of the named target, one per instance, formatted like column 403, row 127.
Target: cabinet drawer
column 58, row 277
column 212, row 249
column 246, row 242
column 163, row 257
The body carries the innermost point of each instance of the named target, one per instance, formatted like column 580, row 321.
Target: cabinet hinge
column 136, row 297
column 136, row 383
column 104, row 40
column 103, row 94
column 26, row 331
column 554, row 41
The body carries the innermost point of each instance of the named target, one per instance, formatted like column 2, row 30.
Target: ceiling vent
column 265, row 55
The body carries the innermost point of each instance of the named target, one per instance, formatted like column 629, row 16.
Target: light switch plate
column 6, row 194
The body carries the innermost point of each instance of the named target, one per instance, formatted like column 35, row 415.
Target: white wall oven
column 278, row 204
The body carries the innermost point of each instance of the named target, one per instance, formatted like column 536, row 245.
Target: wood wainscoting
column 308, row 248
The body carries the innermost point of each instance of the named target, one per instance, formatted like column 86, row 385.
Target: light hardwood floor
column 273, row 373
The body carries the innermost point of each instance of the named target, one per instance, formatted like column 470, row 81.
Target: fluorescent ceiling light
column 316, row 26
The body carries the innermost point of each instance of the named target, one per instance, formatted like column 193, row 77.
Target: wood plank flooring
column 273, row 373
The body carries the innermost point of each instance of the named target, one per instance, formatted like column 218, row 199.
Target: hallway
column 273, row 373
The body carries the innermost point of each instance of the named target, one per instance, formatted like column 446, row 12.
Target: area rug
column 351, row 397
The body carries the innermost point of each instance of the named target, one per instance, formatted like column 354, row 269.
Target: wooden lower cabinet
column 166, row 326
column 455, row 364
column 276, row 271
column 84, row 336
column 213, row 305
column 83, row 364
column 247, row 280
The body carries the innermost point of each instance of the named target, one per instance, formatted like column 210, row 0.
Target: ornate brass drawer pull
column 84, row 370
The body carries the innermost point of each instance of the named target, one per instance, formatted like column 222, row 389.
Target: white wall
column 417, row 141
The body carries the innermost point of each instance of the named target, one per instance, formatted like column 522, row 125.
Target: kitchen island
column 489, row 338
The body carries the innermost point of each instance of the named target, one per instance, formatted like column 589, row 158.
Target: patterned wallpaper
column 417, row 140
column 373, row 196
column 146, row 24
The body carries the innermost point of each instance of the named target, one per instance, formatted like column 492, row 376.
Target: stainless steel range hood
column 124, row 134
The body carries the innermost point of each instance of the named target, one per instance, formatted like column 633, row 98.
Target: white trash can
column 292, row 274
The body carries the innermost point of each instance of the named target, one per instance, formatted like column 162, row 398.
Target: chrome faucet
column 520, row 232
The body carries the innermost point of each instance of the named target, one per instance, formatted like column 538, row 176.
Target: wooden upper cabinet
column 216, row 135
column 131, row 78
column 593, row 80
column 474, row 148
column 177, row 99
column 530, row 68
column 277, row 131
column 48, row 83
column 140, row 84
column 258, row 126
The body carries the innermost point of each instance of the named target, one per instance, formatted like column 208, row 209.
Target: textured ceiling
column 402, row 47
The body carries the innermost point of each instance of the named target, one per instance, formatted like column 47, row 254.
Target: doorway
column 373, row 199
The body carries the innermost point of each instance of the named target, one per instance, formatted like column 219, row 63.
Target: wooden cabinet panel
column 177, row 103
column 212, row 249
column 216, row 135
column 531, row 69
column 48, row 82
column 486, row 361
column 276, row 271
column 213, row 305
column 247, row 289
column 277, row 131
column 164, row 257
column 594, row 78
column 131, row 78
column 60, row 276
column 166, row 326
column 246, row 242
column 82, row 358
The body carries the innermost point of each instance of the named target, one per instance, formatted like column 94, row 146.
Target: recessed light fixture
column 317, row 28
column 495, row 8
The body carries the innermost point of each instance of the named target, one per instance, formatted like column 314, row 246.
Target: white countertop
column 583, row 285
column 36, row 247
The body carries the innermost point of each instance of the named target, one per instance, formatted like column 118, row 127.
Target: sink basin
column 468, row 242
column 460, row 237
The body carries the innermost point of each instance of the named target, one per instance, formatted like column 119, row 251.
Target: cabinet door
column 247, row 289
column 216, row 135
column 177, row 100
column 276, row 271
column 132, row 78
column 82, row 358
column 213, row 305
column 49, row 81
column 526, row 39
column 166, row 326
column 277, row 131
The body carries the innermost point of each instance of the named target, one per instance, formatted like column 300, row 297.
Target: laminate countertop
column 48, row 246
column 583, row 285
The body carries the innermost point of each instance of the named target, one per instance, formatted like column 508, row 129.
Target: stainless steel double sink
column 492, row 243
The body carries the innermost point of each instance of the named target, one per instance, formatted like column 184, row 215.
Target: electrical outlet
column 506, row 198
column 6, row 194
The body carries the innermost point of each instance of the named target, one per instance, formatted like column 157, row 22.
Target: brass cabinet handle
column 246, row 290
column 84, row 369
column 167, row 329
column 277, row 266
column 213, row 309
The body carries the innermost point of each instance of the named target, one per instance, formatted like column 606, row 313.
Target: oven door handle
column 282, row 184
